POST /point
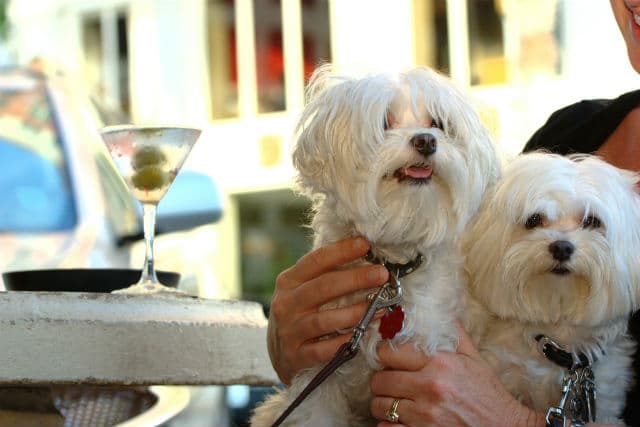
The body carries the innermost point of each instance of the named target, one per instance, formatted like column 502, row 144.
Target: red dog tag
column 391, row 322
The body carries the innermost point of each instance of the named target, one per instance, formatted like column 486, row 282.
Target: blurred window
column 35, row 190
column 272, row 238
column 269, row 55
column 535, row 29
column 106, row 60
column 223, row 74
column 431, row 34
column 260, row 28
column 486, row 46
column 92, row 48
column 316, row 38
column 123, row 63
column 504, row 42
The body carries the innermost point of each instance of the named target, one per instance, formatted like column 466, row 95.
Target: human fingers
column 284, row 338
column 296, row 328
column 312, row 340
column 289, row 354
column 297, row 310
column 334, row 284
column 320, row 352
column 404, row 357
column 292, row 302
column 322, row 260
column 323, row 322
column 293, row 349
column 405, row 409
column 396, row 383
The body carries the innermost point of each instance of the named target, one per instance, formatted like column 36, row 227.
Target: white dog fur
column 581, row 298
column 358, row 160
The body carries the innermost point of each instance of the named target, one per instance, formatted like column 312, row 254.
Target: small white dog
column 404, row 161
column 555, row 253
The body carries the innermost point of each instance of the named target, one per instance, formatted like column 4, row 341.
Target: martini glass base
column 148, row 288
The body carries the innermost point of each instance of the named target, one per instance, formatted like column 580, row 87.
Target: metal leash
column 386, row 296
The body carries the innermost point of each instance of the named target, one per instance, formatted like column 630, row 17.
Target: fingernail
column 360, row 243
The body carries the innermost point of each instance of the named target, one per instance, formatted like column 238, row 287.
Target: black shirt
column 582, row 128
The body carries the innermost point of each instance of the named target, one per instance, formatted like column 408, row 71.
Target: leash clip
column 578, row 400
column 386, row 296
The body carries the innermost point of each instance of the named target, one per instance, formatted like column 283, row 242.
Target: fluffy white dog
column 404, row 161
column 554, row 253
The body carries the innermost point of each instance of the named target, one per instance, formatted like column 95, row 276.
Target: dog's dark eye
column 534, row 221
column 591, row 222
column 435, row 123
column 386, row 124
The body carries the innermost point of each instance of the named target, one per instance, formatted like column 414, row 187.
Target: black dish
column 80, row 279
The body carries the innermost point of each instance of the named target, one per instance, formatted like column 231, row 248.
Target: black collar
column 399, row 270
column 555, row 353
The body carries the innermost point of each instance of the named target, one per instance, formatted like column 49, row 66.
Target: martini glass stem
column 149, row 224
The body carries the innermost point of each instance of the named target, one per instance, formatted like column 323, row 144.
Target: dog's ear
column 486, row 165
column 310, row 160
column 310, row 151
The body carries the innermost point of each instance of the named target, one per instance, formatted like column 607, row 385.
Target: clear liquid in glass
column 149, row 158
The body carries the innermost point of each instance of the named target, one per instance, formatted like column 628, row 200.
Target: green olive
column 147, row 156
column 149, row 178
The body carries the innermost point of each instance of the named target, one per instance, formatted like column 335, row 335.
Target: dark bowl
column 80, row 280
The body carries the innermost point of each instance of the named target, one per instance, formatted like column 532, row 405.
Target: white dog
column 554, row 253
column 404, row 161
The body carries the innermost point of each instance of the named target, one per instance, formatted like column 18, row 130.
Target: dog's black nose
column 561, row 250
column 425, row 143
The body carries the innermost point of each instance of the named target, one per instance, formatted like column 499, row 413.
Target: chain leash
column 577, row 405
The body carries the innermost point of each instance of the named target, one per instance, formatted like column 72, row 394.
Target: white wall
column 372, row 34
column 44, row 29
column 168, row 65
column 595, row 57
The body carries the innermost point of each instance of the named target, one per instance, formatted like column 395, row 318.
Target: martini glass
column 149, row 158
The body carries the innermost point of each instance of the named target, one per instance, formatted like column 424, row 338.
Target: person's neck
column 622, row 148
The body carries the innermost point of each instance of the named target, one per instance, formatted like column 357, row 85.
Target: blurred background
column 237, row 69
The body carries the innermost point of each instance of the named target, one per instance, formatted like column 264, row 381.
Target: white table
column 90, row 338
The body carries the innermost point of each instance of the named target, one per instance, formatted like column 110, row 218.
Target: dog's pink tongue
column 418, row 172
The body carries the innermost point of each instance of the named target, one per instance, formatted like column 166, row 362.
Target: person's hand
column 446, row 389
column 299, row 335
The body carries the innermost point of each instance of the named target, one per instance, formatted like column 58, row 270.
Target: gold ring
column 392, row 412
